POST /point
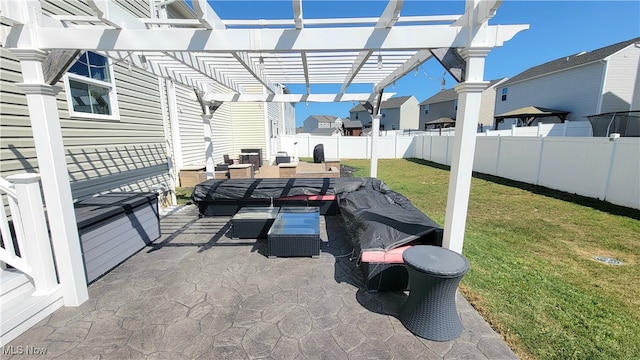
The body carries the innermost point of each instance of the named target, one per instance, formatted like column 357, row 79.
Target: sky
column 557, row 29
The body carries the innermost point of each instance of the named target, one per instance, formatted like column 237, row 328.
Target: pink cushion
column 321, row 197
column 393, row 256
column 295, row 197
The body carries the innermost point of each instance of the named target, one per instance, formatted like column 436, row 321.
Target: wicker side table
column 434, row 274
column 295, row 232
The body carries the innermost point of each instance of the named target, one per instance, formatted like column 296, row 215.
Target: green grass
column 531, row 251
column 183, row 195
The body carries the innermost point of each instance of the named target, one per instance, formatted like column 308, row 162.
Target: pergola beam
column 271, row 40
column 442, row 19
column 290, row 98
column 416, row 60
column 206, row 16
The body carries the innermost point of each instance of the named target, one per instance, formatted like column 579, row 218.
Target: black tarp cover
column 377, row 218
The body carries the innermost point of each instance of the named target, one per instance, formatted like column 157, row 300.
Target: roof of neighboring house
column 325, row 131
column 351, row 124
column 390, row 103
column 451, row 95
column 324, row 118
column 571, row 61
column 395, row 102
column 534, row 111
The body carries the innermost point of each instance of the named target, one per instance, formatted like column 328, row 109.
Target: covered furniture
column 434, row 274
column 318, row 154
column 295, row 232
column 114, row 226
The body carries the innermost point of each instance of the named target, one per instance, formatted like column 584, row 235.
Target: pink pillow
column 393, row 256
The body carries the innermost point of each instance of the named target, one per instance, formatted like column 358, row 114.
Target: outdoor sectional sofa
column 380, row 222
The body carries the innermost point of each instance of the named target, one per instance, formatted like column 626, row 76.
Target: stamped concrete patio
column 197, row 293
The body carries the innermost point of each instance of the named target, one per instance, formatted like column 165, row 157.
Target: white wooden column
column 375, row 130
column 47, row 136
column 464, row 143
column 208, row 143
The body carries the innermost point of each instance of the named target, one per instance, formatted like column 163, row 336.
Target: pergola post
column 375, row 130
column 208, row 144
column 464, row 142
column 47, row 136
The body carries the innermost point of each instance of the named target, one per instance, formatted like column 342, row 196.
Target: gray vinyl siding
column 289, row 118
column 248, row 121
column 487, row 103
column 437, row 111
column 125, row 154
column 191, row 128
column 622, row 84
column 409, row 114
column 576, row 90
column 221, row 129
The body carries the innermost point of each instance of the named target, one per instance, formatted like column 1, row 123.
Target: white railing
column 26, row 248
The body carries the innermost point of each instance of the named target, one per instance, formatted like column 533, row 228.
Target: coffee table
column 295, row 232
column 253, row 222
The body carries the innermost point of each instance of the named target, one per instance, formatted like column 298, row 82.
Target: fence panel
column 405, row 147
column 440, row 149
column 623, row 187
column 518, row 158
column 485, row 159
column 387, row 147
column 352, row 147
column 576, row 165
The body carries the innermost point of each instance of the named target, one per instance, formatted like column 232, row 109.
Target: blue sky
column 557, row 29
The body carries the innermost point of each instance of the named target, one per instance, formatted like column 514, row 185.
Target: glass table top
column 256, row 212
column 296, row 221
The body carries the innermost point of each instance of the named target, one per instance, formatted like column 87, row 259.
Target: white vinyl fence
column 594, row 167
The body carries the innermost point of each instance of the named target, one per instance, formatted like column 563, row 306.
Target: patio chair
column 225, row 165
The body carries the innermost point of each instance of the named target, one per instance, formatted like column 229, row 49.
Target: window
column 90, row 87
column 384, row 112
column 504, row 94
column 426, row 109
column 455, row 105
column 356, row 116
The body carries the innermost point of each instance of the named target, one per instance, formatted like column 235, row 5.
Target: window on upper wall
column 356, row 116
column 384, row 112
column 90, row 87
column 504, row 94
column 426, row 109
column 455, row 105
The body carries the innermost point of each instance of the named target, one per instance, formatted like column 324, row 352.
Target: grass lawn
column 531, row 249
column 183, row 195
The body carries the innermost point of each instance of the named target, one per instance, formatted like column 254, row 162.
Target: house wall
column 248, row 122
column 390, row 119
column 128, row 153
column 409, row 114
column 576, row 90
column 124, row 154
column 622, row 84
column 310, row 124
column 487, row 104
column 437, row 111
column 288, row 118
column 363, row 116
column 221, row 129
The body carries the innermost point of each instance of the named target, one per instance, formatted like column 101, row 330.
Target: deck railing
column 25, row 237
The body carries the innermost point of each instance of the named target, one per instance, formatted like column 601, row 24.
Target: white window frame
column 426, row 109
column 111, row 85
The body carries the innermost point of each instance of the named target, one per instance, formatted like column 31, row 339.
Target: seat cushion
column 393, row 256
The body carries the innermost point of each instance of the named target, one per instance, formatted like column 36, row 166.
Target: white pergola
column 205, row 49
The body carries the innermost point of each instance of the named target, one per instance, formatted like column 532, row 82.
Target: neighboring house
column 319, row 122
column 444, row 104
column 360, row 113
column 332, row 131
column 399, row 113
column 351, row 127
column 396, row 113
column 588, row 83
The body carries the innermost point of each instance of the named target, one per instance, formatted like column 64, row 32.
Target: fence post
column 37, row 249
column 540, row 148
column 498, row 155
column 613, row 156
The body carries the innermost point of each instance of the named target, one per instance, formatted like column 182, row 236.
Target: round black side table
column 434, row 274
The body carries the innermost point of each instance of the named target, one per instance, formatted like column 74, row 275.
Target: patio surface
column 197, row 293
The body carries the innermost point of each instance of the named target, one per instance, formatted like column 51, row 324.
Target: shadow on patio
column 198, row 293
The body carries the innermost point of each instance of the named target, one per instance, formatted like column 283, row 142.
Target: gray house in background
column 396, row 113
column 319, row 122
column 601, row 81
column 444, row 104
